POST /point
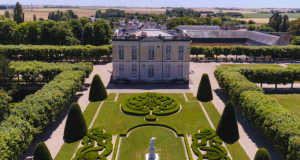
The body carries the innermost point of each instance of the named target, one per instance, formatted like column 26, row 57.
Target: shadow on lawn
column 253, row 134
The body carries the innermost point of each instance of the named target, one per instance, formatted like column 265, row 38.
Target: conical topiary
column 227, row 128
column 75, row 128
column 262, row 154
column 41, row 152
column 204, row 90
column 98, row 90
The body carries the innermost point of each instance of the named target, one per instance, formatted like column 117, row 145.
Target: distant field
column 264, row 15
column 261, row 20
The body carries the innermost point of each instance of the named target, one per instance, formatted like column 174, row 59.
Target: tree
column 75, row 128
column 34, row 17
column 204, row 90
column 41, row 19
column 27, row 33
column 4, row 104
column 97, row 90
column 88, row 34
column 6, row 14
column 45, row 35
column 227, row 128
column 262, row 154
column 111, row 24
column 296, row 40
column 41, row 152
column 84, row 20
column 216, row 21
column 18, row 13
column 61, row 34
column 285, row 25
column 102, row 32
column 98, row 14
column 76, row 28
column 7, row 28
column 294, row 28
column 251, row 22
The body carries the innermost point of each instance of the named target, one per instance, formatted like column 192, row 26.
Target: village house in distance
column 150, row 56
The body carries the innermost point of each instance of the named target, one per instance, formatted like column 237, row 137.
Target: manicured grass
column 290, row 102
column 265, row 15
column 188, row 120
column 191, row 97
column 136, row 146
column 111, row 97
column 251, row 65
column 236, row 150
column 67, row 150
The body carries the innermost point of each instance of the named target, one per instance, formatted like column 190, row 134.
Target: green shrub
column 41, row 152
column 227, row 128
column 98, row 91
column 75, row 128
column 204, row 91
column 262, row 154
column 151, row 117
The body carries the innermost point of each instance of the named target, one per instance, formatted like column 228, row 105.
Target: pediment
column 151, row 39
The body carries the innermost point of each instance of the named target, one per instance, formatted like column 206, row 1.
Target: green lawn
column 236, row 150
column 188, row 120
column 251, row 65
column 191, row 97
column 136, row 145
column 67, row 150
column 265, row 15
column 111, row 97
column 293, row 65
column 290, row 102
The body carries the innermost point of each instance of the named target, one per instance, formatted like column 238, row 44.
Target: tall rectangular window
column 168, row 52
column 168, row 68
column 121, row 70
column 181, row 51
column 180, row 70
column 121, row 52
column 151, row 71
column 151, row 53
column 134, row 52
column 134, row 70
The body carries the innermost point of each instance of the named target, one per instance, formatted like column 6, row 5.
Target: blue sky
column 171, row 3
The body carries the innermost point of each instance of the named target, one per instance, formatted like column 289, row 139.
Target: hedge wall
column 66, row 52
column 30, row 116
column 280, row 126
column 255, row 51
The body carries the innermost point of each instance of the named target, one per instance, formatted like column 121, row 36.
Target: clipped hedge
column 88, row 151
column 66, row 52
column 98, row 91
column 280, row 126
column 204, row 90
column 255, row 51
column 215, row 150
column 262, row 154
column 41, row 152
column 151, row 117
column 30, row 116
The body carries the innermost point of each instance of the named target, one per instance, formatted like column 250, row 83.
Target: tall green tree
column 88, row 34
column 61, row 34
column 102, row 32
column 76, row 28
column 285, row 25
column 18, row 13
column 227, row 128
column 98, row 14
column 7, row 28
column 84, row 20
column 45, row 35
column 204, row 90
column 97, row 91
column 6, row 14
column 34, row 17
column 294, row 28
column 27, row 33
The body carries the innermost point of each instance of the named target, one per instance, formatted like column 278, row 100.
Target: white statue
column 152, row 155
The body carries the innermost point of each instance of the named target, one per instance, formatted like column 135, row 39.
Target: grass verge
column 191, row 97
column 289, row 101
column 236, row 150
column 168, row 146
column 111, row 97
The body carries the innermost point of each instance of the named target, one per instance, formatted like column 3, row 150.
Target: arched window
column 151, row 71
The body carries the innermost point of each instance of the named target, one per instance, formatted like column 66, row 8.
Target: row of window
column 150, row 70
column 151, row 52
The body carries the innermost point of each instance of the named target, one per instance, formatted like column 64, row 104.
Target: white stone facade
column 169, row 60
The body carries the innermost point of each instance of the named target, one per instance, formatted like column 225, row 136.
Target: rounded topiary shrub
column 227, row 128
column 262, row 154
column 204, row 90
column 151, row 117
column 75, row 128
column 98, row 90
column 41, row 152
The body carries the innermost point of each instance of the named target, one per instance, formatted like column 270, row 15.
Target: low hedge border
column 124, row 134
column 97, row 135
column 151, row 118
column 215, row 149
column 30, row 116
column 280, row 126
column 161, row 105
